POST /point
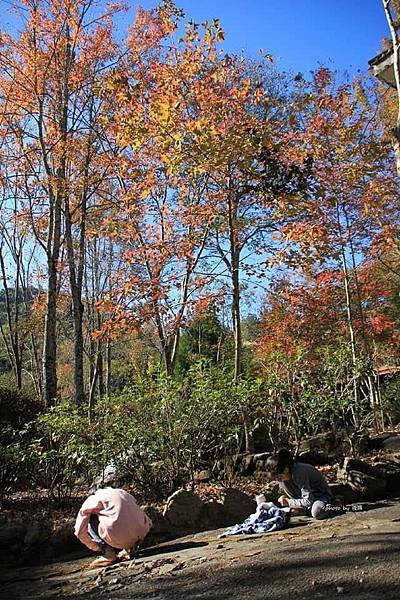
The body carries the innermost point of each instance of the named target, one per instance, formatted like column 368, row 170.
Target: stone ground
column 355, row 555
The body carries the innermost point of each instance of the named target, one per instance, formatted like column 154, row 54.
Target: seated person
column 305, row 488
column 111, row 522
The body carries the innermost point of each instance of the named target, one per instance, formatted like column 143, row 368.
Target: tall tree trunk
column 50, row 324
column 11, row 338
column 77, row 308
column 77, row 264
column 108, row 367
column 236, row 317
column 350, row 319
column 57, row 189
column 234, row 262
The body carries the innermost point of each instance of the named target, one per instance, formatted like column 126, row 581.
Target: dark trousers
column 93, row 531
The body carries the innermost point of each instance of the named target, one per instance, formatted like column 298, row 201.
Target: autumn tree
column 161, row 222
column 48, row 72
column 353, row 194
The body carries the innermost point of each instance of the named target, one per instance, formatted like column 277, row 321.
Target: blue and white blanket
column 267, row 518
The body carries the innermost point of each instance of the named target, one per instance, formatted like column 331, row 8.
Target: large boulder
column 362, row 478
column 330, row 447
column 183, row 510
column 203, row 476
column 391, row 443
column 36, row 534
column 376, row 441
column 233, row 507
column 110, row 476
column 261, row 461
column 213, row 516
column 237, row 505
column 63, row 541
column 320, row 449
column 12, row 534
column 161, row 525
column 11, row 543
column 344, row 493
column 244, row 464
column 389, row 465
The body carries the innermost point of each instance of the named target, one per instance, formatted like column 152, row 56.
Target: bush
column 309, row 394
column 14, row 462
column 390, row 393
column 160, row 431
column 17, row 407
column 63, row 451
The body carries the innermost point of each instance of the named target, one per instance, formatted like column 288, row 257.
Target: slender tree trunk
column 77, row 309
column 236, row 317
column 108, row 367
column 57, row 190
column 50, row 325
column 100, row 362
column 234, row 261
column 350, row 320
column 12, row 339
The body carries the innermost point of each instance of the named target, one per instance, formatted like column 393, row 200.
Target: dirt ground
column 355, row 555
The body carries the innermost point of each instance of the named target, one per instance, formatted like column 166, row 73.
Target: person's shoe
column 110, row 553
column 124, row 555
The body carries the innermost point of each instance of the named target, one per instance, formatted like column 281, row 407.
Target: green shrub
column 390, row 393
column 17, row 407
column 14, row 462
column 63, row 451
column 160, row 431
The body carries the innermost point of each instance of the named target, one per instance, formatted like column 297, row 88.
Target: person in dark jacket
column 305, row 488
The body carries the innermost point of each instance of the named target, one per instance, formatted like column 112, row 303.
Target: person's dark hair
column 277, row 463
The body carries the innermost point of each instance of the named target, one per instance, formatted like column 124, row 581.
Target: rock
column 183, row 510
column 237, row 505
column 391, row 471
column 325, row 448
column 202, row 476
column 261, row 438
column 12, row 534
column 63, row 541
column 213, row 516
column 160, row 523
column 272, row 491
column 329, row 447
column 325, row 443
column 260, row 461
column 362, row 478
column 234, row 507
column 313, row 457
column 394, row 458
column 244, row 464
column 392, row 443
column 11, row 543
column 36, row 534
column 345, row 493
column 375, row 442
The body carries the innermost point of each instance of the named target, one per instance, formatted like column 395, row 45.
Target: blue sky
column 300, row 34
column 343, row 34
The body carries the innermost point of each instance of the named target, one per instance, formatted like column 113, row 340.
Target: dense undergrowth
column 159, row 431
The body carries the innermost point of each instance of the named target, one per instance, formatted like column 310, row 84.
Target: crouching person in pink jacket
column 111, row 522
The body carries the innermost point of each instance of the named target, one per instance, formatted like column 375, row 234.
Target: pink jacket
column 122, row 523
